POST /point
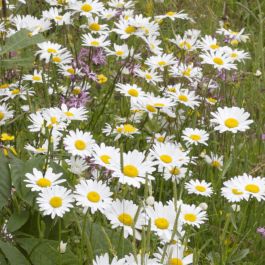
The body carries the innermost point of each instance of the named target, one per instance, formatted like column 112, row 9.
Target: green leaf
column 20, row 40
column 13, row 255
column 19, row 168
column 45, row 252
column 17, row 220
column 5, row 181
column 18, row 61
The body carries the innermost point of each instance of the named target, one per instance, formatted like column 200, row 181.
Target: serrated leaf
column 17, row 220
column 12, row 254
column 20, row 40
column 5, row 181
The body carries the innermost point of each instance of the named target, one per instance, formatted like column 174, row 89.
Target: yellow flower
column 102, row 79
column 7, row 137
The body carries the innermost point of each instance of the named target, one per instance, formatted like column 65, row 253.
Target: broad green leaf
column 20, row 40
column 18, row 170
column 12, row 254
column 45, row 252
column 17, row 220
column 5, row 181
column 18, row 61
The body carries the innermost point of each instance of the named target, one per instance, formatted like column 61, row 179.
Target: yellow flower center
column 130, row 171
column 160, row 139
column 212, row 100
column 15, row 91
column 253, row 188
column 93, row 196
column 150, row 108
column 119, row 53
column 102, row 79
column 44, row 183
column 174, row 171
column 162, row 63
column 170, row 13
column 36, row 78
column 51, row 50
column 7, row 137
column 69, row 114
column 187, row 72
column 94, row 43
column 94, row 26
column 236, row 192
column 105, row 159
column 216, row 163
column 56, row 59
column 130, row 29
column 234, row 55
column 175, row 261
column 4, row 86
column 133, row 92
column 159, row 105
column 148, row 76
column 166, row 159
column 183, row 98
column 126, row 219
column 214, row 46
column 195, row 137
column 128, row 128
column 56, row 202
column 190, row 217
column 161, row 223
column 185, row 44
column 76, row 91
column 41, row 149
column 234, row 42
column 54, row 120
column 80, row 145
column 200, row 188
column 231, row 123
column 86, row 8
column 58, row 18
column 71, row 71
column 218, row 60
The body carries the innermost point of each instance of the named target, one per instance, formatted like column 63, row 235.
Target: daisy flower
column 105, row 155
column 5, row 113
column 160, row 61
column 105, row 260
column 188, row 71
column 254, row 187
column 236, row 55
column 122, row 214
column 192, row 215
column 125, row 28
column 214, row 160
column 55, row 201
column 208, row 43
column 37, row 181
column 79, row 143
column 234, row 36
column 233, row 191
column 56, row 15
column 77, row 165
column 174, row 15
column 90, row 41
column 135, row 168
column 185, row 97
column 35, row 78
column 74, row 114
column 124, row 129
column 199, row 187
column 195, row 136
column 162, row 219
column 132, row 91
column 95, row 27
column 93, row 195
column 120, row 51
column 87, row 8
column 174, row 255
column 232, row 119
column 121, row 4
column 174, row 172
column 219, row 59
column 149, row 75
